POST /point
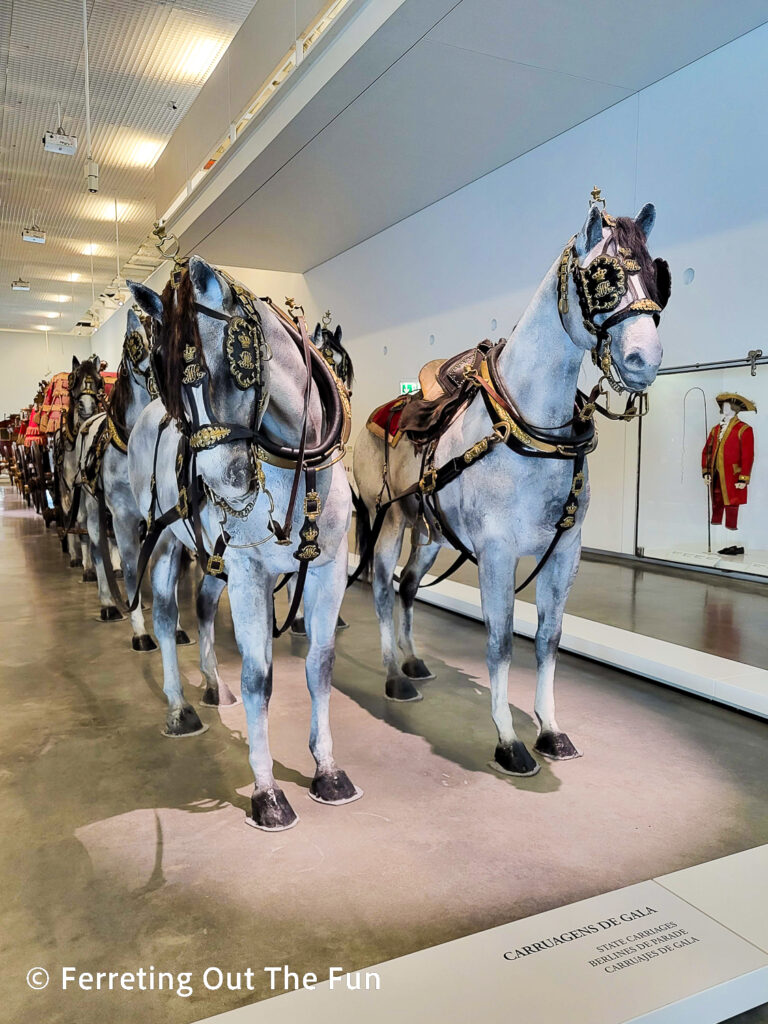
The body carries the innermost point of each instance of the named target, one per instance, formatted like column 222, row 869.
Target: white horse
column 103, row 467
column 212, row 330
column 508, row 504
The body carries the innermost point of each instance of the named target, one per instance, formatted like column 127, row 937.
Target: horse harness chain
column 600, row 288
column 246, row 350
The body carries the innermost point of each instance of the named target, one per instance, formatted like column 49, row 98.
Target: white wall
column 693, row 144
column 26, row 358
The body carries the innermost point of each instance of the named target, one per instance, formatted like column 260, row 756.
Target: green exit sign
column 407, row 387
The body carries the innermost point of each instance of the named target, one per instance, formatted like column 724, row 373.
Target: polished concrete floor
column 707, row 613
column 121, row 849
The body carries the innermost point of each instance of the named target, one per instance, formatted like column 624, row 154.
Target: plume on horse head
column 630, row 235
column 120, row 396
column 177, row 331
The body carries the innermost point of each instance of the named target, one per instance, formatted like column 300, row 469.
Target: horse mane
column 329, row 339
column 629, row 235
column 179, row 329
column 117, row 403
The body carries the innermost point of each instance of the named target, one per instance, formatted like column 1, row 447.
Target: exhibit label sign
column 637, row 954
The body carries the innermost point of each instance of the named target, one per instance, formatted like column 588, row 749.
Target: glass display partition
column 675, row 504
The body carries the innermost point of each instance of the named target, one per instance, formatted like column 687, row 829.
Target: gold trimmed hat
column 743, row 404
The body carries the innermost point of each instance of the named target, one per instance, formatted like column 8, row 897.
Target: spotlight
column 91, row 175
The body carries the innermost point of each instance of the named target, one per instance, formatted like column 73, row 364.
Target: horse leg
column 182, row 637
column 552, row 587
column 126, row 529
column 298, row 626
column 250, row 598
column 398, row 685
column 181, row 719
column 323, row 594
column 496, row 567
column 420, row 561
column 109, row 613
column 217, row 693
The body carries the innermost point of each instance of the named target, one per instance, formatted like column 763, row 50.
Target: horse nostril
column 635, row 361
column 239, row 473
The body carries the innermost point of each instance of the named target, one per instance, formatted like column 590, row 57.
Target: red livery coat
column 731, row 458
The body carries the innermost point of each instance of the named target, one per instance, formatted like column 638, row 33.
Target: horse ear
column 337, row 334
column 134, row 324
column 75, row 362
column 211, row 287
column 147, row 299
column 318, row 337
column 646, row 218
column 591, row 233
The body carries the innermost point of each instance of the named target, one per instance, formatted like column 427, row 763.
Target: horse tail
column 364, row 540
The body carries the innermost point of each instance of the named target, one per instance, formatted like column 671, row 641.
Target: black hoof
column 182, row 638
column 118, row 574
column 110, row 614
column 75, row 563
column 333, row 788
column 219, row 698
column 143, row 643
column 415, row 668
column 556, row 746
column 341, row 624
column 515, row 760
column 401, row 688
column 271, row 811
column 298, row 628
column 89, row 575
column 183, row 722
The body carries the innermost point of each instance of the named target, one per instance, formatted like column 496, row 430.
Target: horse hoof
column 556, row 746
column 182, row 638
column 415, row 668
column 341, row 624
column 298, row 628
column 75, row 563
column 334, row 787
column 514, row 760
column 89, row 575
column 110, row 614
column 144, row 642
column 401, row 688
column 183, row 722
column 220, row 698
column 270, row 810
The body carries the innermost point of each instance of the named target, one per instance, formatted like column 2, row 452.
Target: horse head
column 86, row 389
column 611, row 295
column 334, row 353
column 214, row 370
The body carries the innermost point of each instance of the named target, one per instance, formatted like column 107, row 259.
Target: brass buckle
column 312, row 505
column 215, row 565
column 428, row 482
column 501, row 431
column 578, row 483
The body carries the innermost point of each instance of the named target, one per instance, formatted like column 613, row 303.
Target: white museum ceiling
column 148, row 59
column 440, row 95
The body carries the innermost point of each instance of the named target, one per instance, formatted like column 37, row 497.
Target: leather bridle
column 600, row 286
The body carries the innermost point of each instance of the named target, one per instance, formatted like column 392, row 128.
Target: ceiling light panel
column 143, row 53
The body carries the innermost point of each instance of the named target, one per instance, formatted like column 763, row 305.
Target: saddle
column 426, row 413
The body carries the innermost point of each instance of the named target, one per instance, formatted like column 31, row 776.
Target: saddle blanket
column 387, row 417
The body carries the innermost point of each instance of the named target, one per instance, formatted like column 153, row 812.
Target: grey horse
column 240, row 495
column 507, row 505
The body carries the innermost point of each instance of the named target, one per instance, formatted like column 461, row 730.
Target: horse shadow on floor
column 454, row 717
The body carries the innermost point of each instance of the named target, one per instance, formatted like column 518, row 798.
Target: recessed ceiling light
column 89, row 250
column 144, row 154
column 51, row 316
column 73, row 276
column 198, row 57
column 43, row 327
